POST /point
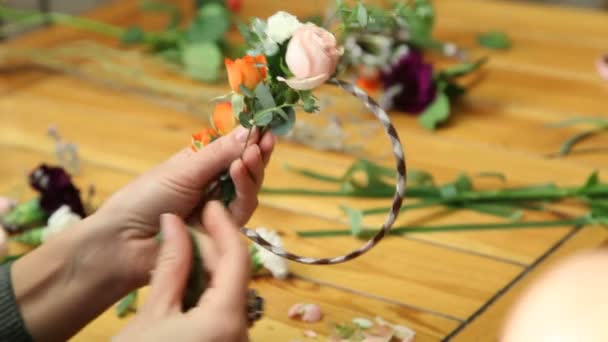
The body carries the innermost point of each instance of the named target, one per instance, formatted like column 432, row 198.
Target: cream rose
column 60, row 220
column 312, row 57
column 281, row 26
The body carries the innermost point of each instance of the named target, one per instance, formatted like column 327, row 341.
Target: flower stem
column 451, row 228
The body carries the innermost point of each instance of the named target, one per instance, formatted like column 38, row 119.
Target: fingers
column 197, row 169
column 233, row 267
column 248, row 176
column 172, row 268
column 267, row 144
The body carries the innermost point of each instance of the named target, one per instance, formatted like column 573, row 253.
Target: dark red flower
column 410, row 83
column 56, row 189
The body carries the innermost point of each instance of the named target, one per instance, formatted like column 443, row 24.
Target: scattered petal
column 602, row 66
column 363, row 323
column 310, row 334
column 6, row 204
column 309, row 313
column 3, row 243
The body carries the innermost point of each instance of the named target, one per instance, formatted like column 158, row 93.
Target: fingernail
column 241, row 134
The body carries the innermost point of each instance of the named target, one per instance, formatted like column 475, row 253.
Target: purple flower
column 409, row 83
column 56, row 189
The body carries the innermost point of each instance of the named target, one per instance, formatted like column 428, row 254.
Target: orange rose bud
column 223, row 118
column 247, row 71
column 369, row 84
column 202, row 138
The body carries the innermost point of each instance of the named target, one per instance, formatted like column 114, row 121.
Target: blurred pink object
column 6, row 204
column 305, row 312
column 310, row 334
column 602, row 66
column 3, row 243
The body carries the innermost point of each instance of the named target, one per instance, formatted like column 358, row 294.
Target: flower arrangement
column 385, row 49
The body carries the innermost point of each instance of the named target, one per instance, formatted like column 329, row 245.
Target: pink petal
column 602, row 66
column 312, row 313
column 6, row 204
column 310, row 334
column 3, row 243
column 309, row 313
column 295, row 310
column 305, row 83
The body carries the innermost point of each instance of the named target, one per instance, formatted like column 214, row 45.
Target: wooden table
column 443, row 285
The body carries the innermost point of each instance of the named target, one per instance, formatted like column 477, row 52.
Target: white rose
column 274, row 263
column 61, row 219
column 281, row 26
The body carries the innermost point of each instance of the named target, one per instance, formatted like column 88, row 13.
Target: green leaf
column 245, row 120
column 163, row 7
column 494, row 40
column 263, row 95
column 127, row 304
column 462, row 69
column 10, row 258
column 310, row 106
column 437, row 113
column 462, row 184
column 593, row 180
column 211, row 23
column 202, row 61
column 228, row 189
column 246, row 91
column 355, row 217
column 31, row 237
column 25, row 215
column 262, row 119
column 280, row 126
column 133, row 35
column 238, row 104
column 362, row 15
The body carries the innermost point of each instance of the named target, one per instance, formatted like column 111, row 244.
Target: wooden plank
column 487, row 326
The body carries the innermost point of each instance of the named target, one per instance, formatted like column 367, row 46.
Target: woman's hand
column 67, row 282
column 130, row 218
column 221, row 313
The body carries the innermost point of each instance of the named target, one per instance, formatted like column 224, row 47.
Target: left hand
column 129, row 221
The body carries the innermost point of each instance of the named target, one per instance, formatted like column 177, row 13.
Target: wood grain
column 430, row 282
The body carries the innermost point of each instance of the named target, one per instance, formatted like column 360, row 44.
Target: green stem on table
column 367, row 232
column 29, row 18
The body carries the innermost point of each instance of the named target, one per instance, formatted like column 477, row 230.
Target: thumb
column 172, row 267
column 197, row 169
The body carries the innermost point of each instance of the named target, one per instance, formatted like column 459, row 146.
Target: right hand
column 221, row 311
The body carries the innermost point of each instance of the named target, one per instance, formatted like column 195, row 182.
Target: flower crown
column 287, row 61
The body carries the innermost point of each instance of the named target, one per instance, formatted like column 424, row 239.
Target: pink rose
column 312, row 57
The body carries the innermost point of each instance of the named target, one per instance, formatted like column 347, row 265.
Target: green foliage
column 133, row 35
column 495, row 40
column 127, row 304
column 210, row 24
column 202, row 61
column 25, row 215
column 31, row 237
column 437, row 113
column 355, row 218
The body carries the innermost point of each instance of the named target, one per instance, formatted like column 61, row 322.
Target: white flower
column 61, row 219
column 281, row 26
column 274, row 263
